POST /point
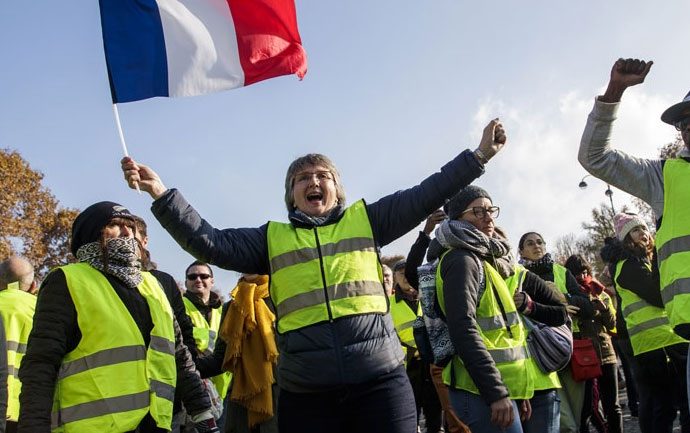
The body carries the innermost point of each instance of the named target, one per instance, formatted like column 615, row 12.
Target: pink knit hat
column 623, row 223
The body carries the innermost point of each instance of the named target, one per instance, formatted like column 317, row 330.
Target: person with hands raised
column 341, row 366
column 625, row 73
column 663, row 184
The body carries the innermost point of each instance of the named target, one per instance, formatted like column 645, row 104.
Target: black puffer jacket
column 56, row 332
column 353, row 349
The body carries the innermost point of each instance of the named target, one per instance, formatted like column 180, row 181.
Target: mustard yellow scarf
column 251, row 353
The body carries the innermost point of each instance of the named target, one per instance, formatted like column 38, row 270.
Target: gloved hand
column 523, row 303
column 207, row 426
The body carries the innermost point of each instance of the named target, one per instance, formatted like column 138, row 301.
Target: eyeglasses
column 682, row 124
column 531, row 243
column 307, row 176
column 482, row 212
column 192, row 277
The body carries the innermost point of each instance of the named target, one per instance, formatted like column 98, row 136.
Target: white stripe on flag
column 203, row 31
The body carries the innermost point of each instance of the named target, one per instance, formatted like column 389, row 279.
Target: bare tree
column 600, row 227
column 566, row 246
column 670, row 150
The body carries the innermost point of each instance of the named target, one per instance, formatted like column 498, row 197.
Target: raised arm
column 241, row 250
column 396, row 214
column 636, row 176
column 415, row 257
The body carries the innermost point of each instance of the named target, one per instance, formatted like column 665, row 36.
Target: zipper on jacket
column 323, row 276
column 336, row 340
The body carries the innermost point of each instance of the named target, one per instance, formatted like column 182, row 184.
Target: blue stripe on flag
column 134, row 49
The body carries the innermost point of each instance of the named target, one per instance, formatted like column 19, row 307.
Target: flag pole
column 122, row 138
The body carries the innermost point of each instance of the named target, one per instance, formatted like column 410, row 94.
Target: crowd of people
column 319, row 335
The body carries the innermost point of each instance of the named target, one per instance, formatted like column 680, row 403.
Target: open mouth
column 314, row 197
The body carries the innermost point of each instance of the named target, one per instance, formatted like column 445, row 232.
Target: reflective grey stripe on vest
column 679, row 287
column 405, row 326
column 496, row 322
column 102, row 407
column 673, row 246
column 211, row 343
column 336, row 291
column 308, row 254
column 116, row 355
column 16, row 346
column 635, row 306
column 163, row 390
column 509, row 355
column 649, row 324
column 163, row 345
column 12, row 371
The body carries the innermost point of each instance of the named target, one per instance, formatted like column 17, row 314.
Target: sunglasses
column 192, row 277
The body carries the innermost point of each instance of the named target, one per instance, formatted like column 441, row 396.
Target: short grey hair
column 310, row 160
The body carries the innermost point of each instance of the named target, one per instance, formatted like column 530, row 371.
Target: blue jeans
column 473, row 411
column 383, row 405
column 546, row 413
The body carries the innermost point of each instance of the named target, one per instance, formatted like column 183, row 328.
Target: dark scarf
column 541, row 267
column 300, row 219
column 461, row 234
column 119, row 259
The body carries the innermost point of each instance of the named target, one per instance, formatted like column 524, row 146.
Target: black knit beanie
column 462, row 199
column 89, row 223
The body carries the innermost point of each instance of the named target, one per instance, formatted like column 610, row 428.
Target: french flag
column 194, row 47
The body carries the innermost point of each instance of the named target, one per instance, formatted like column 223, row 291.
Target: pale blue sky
column 393, row 91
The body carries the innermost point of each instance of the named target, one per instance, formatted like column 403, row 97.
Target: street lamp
column 608, row 193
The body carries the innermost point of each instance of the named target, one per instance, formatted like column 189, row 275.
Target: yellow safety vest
column 324, row 273
column 673, row 242
column 505, row 340
column 542, row 381
column 17, row 309
column 111, row 380
column 648, row 326
column 205, row 337
column 403, row 319
column 559, row 279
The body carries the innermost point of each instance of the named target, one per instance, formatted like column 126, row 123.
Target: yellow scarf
column 251, row 353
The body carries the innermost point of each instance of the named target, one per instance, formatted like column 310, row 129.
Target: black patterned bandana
column 119, row 259
column 540, row 267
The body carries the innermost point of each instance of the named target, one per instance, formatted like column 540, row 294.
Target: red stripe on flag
column 268, row 40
